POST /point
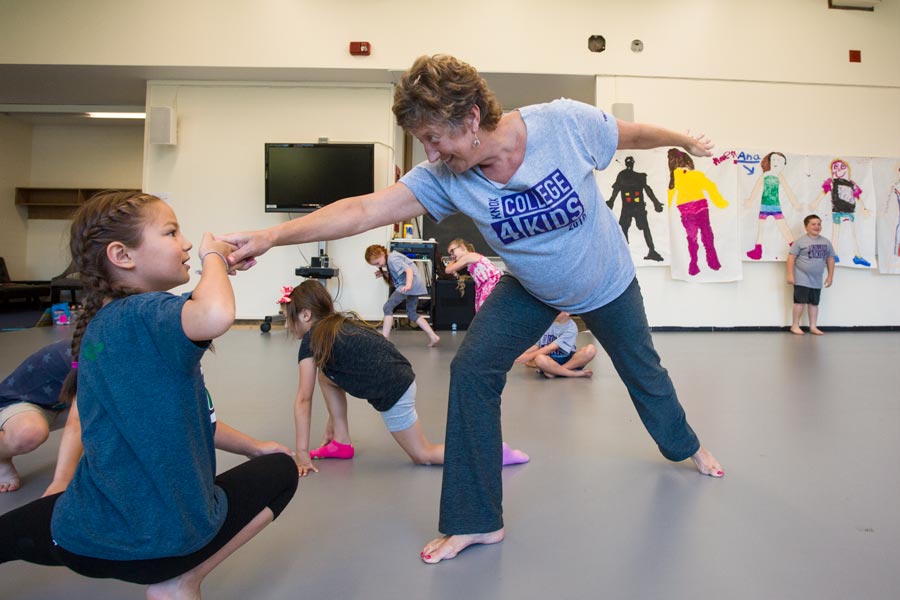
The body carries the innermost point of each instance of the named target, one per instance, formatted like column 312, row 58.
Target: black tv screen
column 305, row 177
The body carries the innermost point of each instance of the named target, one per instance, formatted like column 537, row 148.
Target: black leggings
column 266, row 481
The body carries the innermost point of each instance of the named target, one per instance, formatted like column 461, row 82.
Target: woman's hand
column 247, row 246
column 699, row 145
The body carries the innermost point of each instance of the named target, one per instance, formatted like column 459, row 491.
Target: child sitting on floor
column 555, row 355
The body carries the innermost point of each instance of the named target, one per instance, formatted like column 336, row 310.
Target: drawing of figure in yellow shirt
column 691, row 190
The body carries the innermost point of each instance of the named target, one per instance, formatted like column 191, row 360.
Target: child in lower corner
column 345, row 355
column 555, row 354
column 148, row 424
column 408, row 286
column 809, row 257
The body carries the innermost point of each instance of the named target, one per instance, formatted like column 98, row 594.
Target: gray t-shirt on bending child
column 397, row 264
column 812, row 256
column 549, row 223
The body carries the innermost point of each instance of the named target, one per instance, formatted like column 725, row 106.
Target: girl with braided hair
column 145, row 504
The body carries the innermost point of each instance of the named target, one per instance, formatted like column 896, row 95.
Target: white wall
column 712, row 65
column 771, row 40
column 791, row 118
column 76, row 157
column 214, row 176
column 15, row 164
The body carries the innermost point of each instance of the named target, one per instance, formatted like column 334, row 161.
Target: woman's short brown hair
column 441, row 90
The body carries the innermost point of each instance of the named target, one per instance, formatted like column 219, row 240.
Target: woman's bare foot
column 707, row 463
column 816, row 331
column 448, row 546
column 9, row 477
column 434, row 340
column 797, row 331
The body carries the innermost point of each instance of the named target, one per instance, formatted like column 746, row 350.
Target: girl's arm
column 640, row 136
column 229, row 439
column 302, row 414
column 529, row 354
column 70, row 451
column 210, row 311
column 338, row 220
column 458, row 265
column 408, row 273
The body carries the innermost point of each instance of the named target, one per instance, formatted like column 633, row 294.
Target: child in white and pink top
column 484, row 273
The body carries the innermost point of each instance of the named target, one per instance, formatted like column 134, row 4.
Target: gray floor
column 808, row 430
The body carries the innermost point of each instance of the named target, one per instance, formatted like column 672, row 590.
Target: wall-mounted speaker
column 161, row 123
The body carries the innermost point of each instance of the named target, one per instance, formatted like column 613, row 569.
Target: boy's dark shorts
column 805, row 295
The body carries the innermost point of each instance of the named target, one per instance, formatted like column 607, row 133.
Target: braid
column 109, row 216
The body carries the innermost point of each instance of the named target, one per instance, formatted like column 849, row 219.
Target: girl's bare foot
column 816, row 331
column 583, row 373
column 707, row 463
column 9, row 477
column 448, row 546
column 434, row 340
column 797, row 331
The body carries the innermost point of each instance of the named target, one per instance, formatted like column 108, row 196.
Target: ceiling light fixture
column 117, row 115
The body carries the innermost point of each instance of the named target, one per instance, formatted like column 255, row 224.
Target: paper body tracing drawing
column 886, row 178
column 845, row 203
column 629, row 190
column 702, row 222
column 771, row 215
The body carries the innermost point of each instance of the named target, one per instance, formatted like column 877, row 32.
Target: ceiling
column 54, row 94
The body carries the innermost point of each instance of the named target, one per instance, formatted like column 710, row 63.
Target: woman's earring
column 476, row 142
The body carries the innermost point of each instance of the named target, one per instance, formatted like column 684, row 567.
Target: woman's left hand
column 700, row 145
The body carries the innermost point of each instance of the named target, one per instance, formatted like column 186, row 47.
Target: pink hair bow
column 286, row 291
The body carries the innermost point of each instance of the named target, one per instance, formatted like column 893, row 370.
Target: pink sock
column 512, row 456
column 333, row 449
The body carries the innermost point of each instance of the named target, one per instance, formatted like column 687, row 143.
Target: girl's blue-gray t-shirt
column 549, row 223
column 397, row 264
column 144, row 487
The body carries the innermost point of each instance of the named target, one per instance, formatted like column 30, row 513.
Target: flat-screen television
column 304, row 177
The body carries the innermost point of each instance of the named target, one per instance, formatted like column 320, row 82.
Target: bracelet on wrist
column 217, row 253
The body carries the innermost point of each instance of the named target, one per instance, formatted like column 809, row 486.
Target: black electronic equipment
column 304, row 177
column 316, row 272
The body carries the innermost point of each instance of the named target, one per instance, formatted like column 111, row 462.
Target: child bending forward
column 347, row 356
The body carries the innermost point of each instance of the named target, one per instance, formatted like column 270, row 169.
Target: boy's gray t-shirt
column 549, row 224
column 397, row 264
column 812, row 256
column 563, row 334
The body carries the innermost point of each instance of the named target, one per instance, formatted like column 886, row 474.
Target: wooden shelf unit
column 53, row 203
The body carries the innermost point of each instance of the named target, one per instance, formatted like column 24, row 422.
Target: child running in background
column 347, row 356
column 810, row 255
column 483, row 272
column 555, row 354
column 408, row 286
column 31, row 406
column 145, row 505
